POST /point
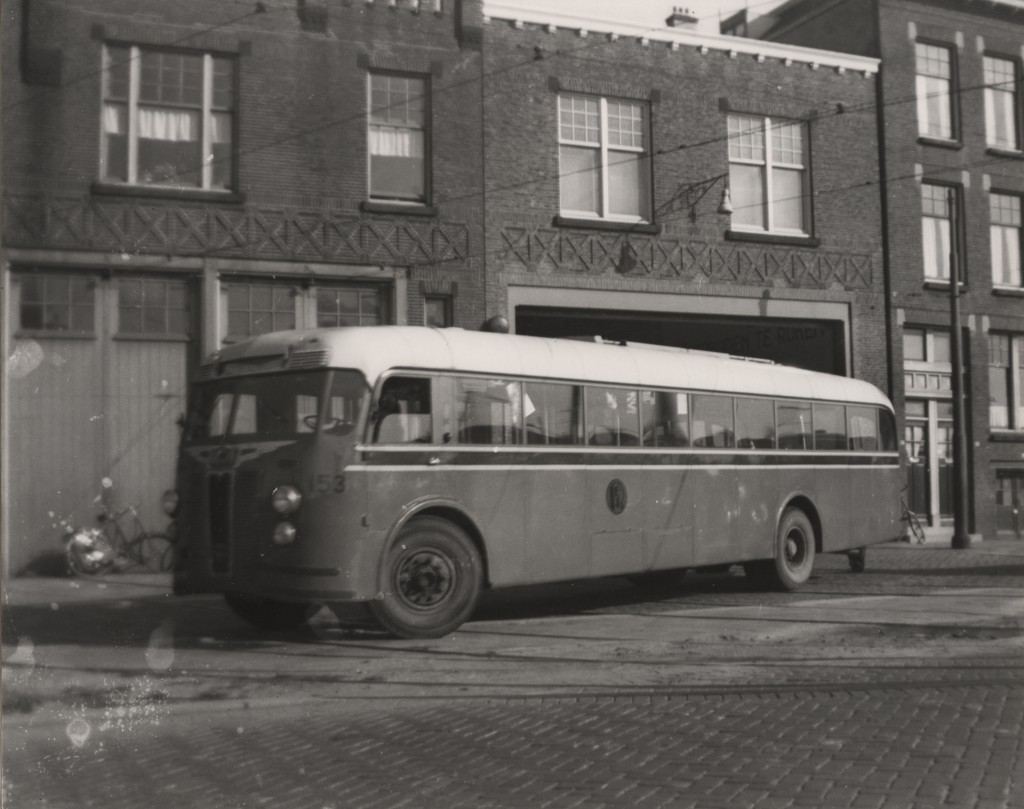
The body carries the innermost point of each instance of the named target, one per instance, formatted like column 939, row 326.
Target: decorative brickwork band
column 550, row 250
column 146, row 227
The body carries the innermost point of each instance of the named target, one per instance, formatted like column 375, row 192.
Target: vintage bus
column 411, row 468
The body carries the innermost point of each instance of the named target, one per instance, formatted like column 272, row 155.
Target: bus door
column 556, row 540
column 615, row 500
column 667, row 478
column 721, row 503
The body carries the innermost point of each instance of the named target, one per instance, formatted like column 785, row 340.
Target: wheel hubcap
column 425, row 579
column 795, row 549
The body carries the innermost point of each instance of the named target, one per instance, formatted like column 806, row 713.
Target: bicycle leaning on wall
column 118, row 543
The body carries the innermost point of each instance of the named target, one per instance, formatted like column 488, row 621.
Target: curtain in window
column 935, row 244
column 1006, row 256
column 168, row 125
column 392, row 142
column 934, row 115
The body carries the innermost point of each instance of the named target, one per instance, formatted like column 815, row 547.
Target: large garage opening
column 816, row 345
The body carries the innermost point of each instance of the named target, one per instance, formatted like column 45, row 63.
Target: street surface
column 901, row 687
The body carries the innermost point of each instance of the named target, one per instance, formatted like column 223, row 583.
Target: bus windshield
column 275, row 407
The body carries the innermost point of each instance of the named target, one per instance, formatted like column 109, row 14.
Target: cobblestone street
column 908, row 711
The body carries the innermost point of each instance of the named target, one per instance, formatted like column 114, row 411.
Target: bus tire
column 430, row 581
column 794, row 551
column 268, row 613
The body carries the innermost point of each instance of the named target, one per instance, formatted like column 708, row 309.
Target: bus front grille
column 220, row 522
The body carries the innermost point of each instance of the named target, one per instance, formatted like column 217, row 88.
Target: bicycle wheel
column 153, row 552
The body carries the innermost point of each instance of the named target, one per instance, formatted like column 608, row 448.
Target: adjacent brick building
column 177, row 175
column 950, row 96
column 609, row 148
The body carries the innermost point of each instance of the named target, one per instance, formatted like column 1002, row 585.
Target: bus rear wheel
column 430, row 581
column 268, row 613
column 794, row 554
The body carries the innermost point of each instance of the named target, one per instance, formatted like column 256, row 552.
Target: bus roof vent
column 307, row 359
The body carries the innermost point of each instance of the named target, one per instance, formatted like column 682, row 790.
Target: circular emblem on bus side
column 615, row 496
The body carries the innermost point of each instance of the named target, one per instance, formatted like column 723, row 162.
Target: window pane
column 755, row 424
column 887, row 429
column 935, row 231
column 397, row 166
column 746, row 186
column 578, row 119
column 941, row 349
column 579, row 179
column 627, row 184
column 794, row 422
column 666, row 420
column 934, row 74
column 487, row 411
column 403, row 414
column 788, row 199
column 787, row 144
column 713, row 421
column 746, row 138
column 1000, row 102
column 829, row 426
column 913, row 344
column 613, row 417
column 437, row 311
column 169, row 147
column 551, row 413
column 625, row 125
column 863, row 428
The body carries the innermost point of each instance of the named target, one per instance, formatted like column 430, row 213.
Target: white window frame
column 927, row 84
column 1004, row 229
column 949, row 238
column 204, row 152
column 604, row 150
column 423, row 128
column 996, row 90
column 768, row 130
column 1013, row 376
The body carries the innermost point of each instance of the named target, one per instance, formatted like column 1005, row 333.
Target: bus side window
column 403, row 414
column 829, row 426
column 487, row 411
column 613, row 418
column 887, row 431
column 666, row 420
column 794, row 424
column 863, row 428
column 755, row 423
column 713, row 421
column 551, row 413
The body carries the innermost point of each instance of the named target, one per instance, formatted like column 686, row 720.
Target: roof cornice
column 680, row 38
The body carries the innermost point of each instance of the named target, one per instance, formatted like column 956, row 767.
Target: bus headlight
column 169, row 502
column 286, row 499
column 284, row 533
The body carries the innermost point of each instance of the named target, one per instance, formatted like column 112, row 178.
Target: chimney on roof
column 681, row 18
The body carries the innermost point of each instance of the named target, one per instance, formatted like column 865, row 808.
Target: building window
column 1006, row 381
column 57, row 303
column 768, row 175
column 437, row 311
column 1002, row 110
column 1005, row 237
column 349, row 306
column 934, row 91
column 152, row 306
column 398, row 138
column 927, row 361
column 259, row 308
column 937, row 230
column 603, row 158
column 168, row 118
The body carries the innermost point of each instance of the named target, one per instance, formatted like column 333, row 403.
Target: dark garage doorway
column 817, row 345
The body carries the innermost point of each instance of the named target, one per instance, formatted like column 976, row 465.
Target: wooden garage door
column 96, row 384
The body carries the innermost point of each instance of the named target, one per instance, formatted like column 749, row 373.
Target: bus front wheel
column 430, row 581
column 794, row 554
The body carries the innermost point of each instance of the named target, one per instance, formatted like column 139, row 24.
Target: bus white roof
column 373, row 350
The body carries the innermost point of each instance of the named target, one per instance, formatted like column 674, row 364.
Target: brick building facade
column 608, row 150
column 179, row 175
column 950, row 96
